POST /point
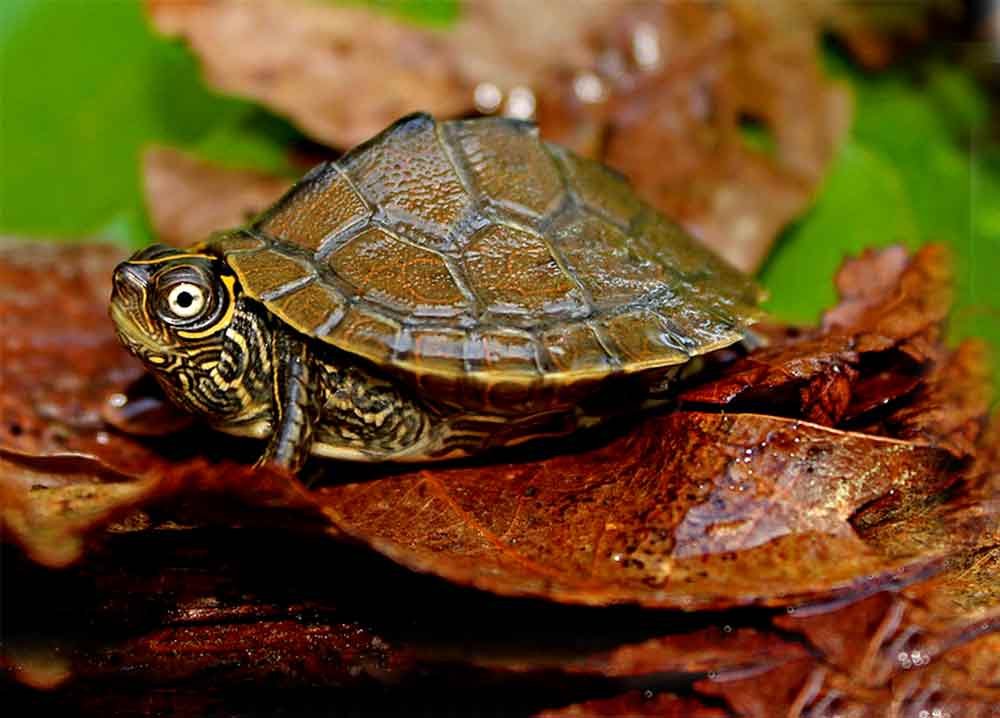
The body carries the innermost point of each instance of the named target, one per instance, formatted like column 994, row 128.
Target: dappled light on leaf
column 686, row 510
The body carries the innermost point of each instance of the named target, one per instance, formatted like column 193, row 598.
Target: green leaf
column 430, row 13
column 85, row 87
column 958, row 98
column 863, row 203
column 915, row 170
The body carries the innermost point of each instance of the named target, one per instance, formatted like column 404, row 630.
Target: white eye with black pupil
column 186, row 300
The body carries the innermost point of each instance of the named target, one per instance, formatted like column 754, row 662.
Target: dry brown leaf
column 682, row 83
column 949, row 407
column 189, row 198
column 878, row 639
column 963, row 683
column 50, row 505
column 342, row 86
column 876, row 364
column 60, row 354
column 687, row 510
column 887, row 296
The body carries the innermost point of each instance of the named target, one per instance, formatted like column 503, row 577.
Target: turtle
column 442, row 289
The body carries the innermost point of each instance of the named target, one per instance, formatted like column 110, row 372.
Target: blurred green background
column 85, row 85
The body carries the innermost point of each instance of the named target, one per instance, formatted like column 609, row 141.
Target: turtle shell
column 472, row 254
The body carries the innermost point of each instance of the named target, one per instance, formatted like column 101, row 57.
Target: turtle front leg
column 294, row 406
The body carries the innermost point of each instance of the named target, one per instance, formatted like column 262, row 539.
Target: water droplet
column 521, row 103
column 646, row 46
column 487, row 97
column 102, row 437
column 118, row 400
column 589, row 87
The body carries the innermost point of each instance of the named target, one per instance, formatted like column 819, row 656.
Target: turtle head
column 169, row 303
column 179, row 312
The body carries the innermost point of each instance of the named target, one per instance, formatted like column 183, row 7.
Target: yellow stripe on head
column 172, row 258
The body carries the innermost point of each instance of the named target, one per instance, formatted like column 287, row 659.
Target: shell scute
column 269, row 273
column 504, row 351
column 703, row 273
column 312, row 307
column 317, row 209
column 372, row 335
column 575, row 349
column 644, row 339
column 599, row 188
column 508, row 165
column 600, row 256
column 407, row 173
column 514, row 274
column 439, row 348
column 399, row 275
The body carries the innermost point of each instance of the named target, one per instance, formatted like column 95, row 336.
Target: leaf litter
column 878, row 544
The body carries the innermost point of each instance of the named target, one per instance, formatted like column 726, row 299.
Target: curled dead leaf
column 50, row 504
column 876, row 364
column 716, row 649
column 877, row 640
column 887, row 296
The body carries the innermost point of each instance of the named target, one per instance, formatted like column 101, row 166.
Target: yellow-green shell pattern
column 473, row 253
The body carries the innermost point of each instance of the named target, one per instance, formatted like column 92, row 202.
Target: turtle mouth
column 131, row 335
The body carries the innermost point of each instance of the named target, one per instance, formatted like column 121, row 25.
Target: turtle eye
column 186, row 300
